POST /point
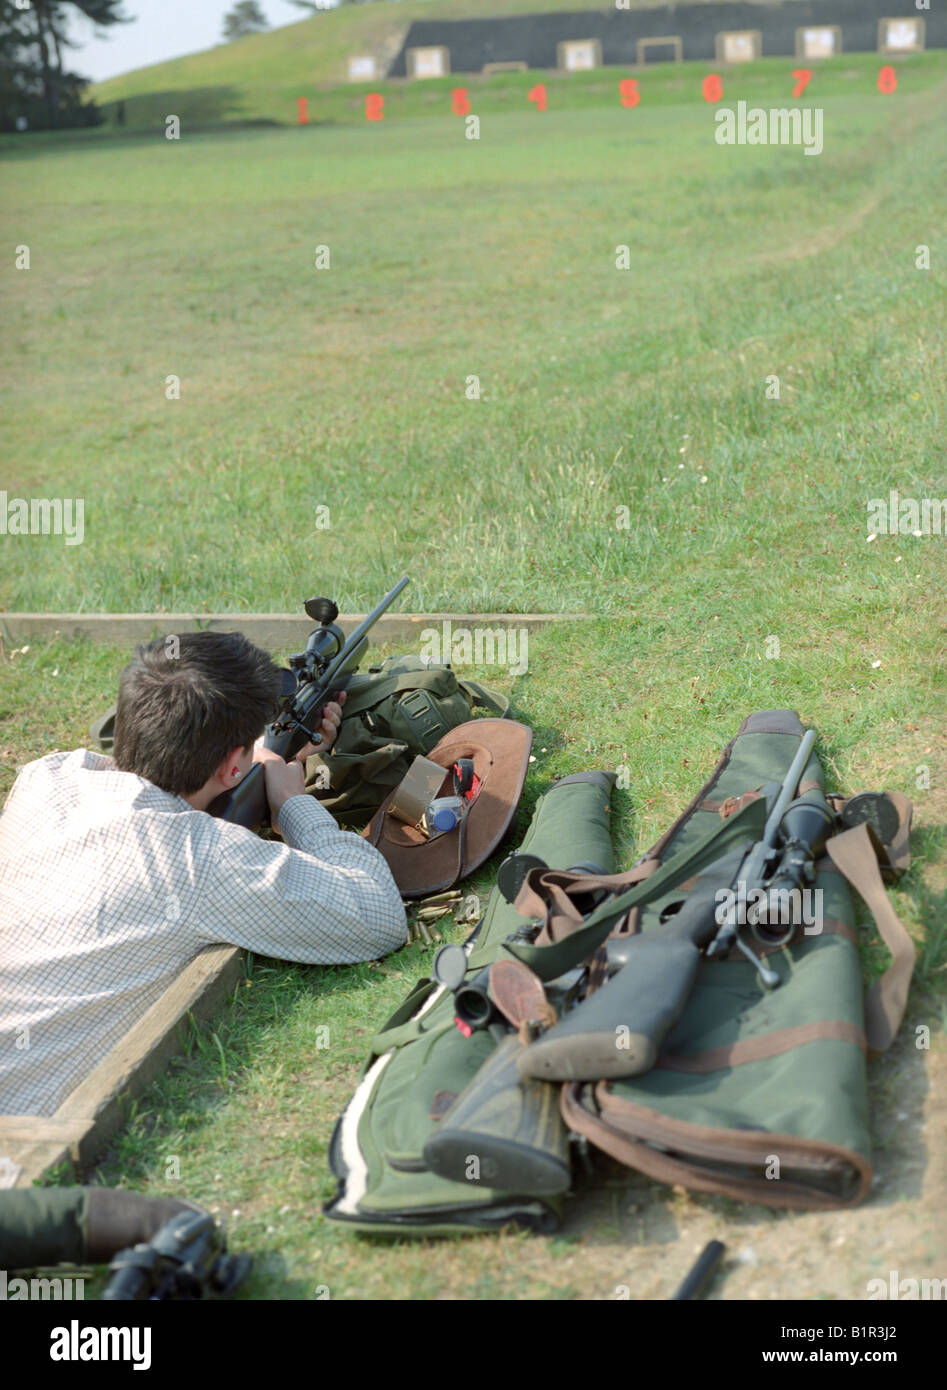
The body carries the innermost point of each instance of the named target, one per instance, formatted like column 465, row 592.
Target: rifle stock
column 503, row 1132
column 246, row 804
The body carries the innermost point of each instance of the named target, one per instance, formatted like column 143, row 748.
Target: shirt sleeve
column 324, row 896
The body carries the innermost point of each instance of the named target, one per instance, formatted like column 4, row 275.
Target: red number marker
column 459, row 101
column 374, row 107
column 887, row 80
column 303, row 113
column 538, row 94
column 803, row 77
column 628, row 87
column 713, row 87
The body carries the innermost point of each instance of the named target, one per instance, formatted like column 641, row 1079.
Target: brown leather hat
column 500, row 751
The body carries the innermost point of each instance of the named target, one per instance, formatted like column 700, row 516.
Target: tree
column 20, row 88
column 33, row 82
column 246, row 17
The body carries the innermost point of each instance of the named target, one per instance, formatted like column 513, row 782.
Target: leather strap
column 767, row 1045
column 854, row 854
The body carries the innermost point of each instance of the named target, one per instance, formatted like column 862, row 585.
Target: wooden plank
column 21, row 1163
column 272, row 631
column 85, row 1122
column 29, row 1129
column 134, row 1062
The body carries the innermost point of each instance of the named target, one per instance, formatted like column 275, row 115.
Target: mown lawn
column 600, row 388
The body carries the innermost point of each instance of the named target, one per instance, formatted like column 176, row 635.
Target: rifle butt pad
column 503, row 1132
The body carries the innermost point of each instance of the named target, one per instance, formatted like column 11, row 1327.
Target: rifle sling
column 548, row 962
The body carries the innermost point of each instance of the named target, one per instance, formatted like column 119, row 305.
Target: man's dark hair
column 185, row 702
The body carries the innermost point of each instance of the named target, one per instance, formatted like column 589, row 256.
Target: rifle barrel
column 787, row 791
column 368, row 622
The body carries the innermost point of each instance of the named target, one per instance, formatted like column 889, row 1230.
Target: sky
column 162, row 29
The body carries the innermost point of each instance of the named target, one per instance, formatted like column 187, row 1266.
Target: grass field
column 495, row 258
column 623, row 459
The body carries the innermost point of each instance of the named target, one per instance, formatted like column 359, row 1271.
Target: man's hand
column 286, row 779
column 331, row 719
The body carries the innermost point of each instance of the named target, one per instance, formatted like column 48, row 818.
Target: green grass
column 345, row 387
column 602, row 389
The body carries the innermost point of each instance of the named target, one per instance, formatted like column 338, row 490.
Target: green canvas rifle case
column 420, row 1063
column 756, row 1095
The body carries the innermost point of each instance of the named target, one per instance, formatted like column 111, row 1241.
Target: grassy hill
column 316, row 50
column 259, row 77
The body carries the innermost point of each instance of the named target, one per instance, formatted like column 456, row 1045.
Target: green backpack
column 392, row 713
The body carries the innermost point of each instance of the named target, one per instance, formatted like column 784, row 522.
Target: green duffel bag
column 420, row 1063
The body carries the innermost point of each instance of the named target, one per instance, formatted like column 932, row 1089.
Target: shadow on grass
column 201, row 110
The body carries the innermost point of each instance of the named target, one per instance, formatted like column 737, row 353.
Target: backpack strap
column 492, row 700
column 379, row 688
column 853, row 853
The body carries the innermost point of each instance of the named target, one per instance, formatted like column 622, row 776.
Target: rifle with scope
column 618, row 1031
column 323, row 669
column 186, row 1259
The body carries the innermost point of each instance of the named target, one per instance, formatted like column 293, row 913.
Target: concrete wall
column 533, row 38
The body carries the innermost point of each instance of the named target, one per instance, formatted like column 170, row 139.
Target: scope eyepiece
column 473, row 1005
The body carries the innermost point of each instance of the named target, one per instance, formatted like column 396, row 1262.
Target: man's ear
column 229, row 772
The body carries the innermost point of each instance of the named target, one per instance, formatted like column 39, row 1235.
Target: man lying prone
column 113, row 876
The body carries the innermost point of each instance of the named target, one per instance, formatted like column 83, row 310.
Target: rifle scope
column 804, row 829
